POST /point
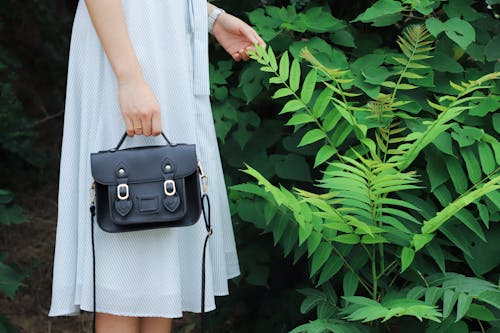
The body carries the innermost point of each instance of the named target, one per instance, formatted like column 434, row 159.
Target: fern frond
column 417, row 141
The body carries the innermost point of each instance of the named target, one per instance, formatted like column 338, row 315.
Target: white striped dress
column 151, row 273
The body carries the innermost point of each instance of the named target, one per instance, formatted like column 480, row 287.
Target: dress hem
column 128, row 314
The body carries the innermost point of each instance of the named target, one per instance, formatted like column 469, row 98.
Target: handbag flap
column 147, row 163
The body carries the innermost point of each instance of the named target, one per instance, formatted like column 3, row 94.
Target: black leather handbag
column 149, row 187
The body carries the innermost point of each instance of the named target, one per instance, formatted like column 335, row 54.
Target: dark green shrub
column 458, row 158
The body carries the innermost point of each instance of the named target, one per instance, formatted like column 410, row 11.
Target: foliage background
column 33, row 58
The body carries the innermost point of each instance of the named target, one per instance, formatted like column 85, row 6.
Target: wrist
column 212, row 17
column 128, row 74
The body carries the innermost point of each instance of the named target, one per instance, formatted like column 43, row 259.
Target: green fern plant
column 360, row 223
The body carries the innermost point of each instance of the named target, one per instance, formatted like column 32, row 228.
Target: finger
column 259, row 39
column 129, row 126
column 236, row 56
column 146, row 124
column 248, row 32
column 156, row 123
column 137, row 126
column 244, row 55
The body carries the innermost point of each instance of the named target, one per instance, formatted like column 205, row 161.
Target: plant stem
column 481, row 326
column 488, row 176
column 346, row 264
column 388, row 269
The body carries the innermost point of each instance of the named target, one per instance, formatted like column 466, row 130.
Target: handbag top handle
column 125, row 136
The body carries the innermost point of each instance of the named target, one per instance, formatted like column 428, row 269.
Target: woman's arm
column 139, row 107
column 234, row 35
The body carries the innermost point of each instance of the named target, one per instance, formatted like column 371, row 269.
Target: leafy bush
column 358, row 122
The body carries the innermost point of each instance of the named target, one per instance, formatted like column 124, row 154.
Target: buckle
column 204, row 178
column 118, row 191
column 165, row 188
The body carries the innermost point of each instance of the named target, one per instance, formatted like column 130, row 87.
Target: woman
column 141, row 67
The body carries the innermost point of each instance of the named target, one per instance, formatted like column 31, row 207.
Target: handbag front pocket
column 144, row 204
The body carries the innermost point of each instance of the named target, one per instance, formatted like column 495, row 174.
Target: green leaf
column 313, row 298
column 437, row 174
column 457, row 174
column 366, row 310
column 311, row 136
column 472, row 164
column 322, row 102
column 10, row 279
column 463, row 305
column 444, row 143
column 284, row 66
column 382, row 13
column 420, row 240
column 332, row 267
column 444, row 215
column 11, row 214
column 480, row 312
column 292, row 105
column 340, row 226
column 272, row 59
column 481, row 263
column 450, row 298
column 433, row 294
column 299, row 119
column 320, row 256
column 324, row 154
column 492, row 49
column 308, row 86
column 373, row 239
column 305, row 231
column 491, row 297
column 470, row 221
column 291, row 166
column 347, row 239
column 496, row 122
column 343, row 38
column 407, row 255
column 282, row 92
column 350, row 283
column 434, row 26
column 442, row 62
column 486, row 157
column 460, row 31
column 313, row 242
column 295, row 75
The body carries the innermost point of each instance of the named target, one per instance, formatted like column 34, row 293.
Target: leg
column 108, row 323
column 155, row 325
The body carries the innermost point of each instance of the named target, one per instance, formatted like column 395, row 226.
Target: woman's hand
column 139, row 106
column 235, row 36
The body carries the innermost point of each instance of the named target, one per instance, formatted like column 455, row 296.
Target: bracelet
column 213, row 16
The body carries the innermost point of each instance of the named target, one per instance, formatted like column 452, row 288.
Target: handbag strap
column 124, row 136
column 205, row 206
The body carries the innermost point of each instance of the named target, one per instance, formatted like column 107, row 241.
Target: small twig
column 47, row 118
column 481, row 325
